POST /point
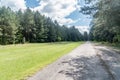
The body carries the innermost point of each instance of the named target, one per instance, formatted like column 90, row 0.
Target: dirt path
column 86, row 62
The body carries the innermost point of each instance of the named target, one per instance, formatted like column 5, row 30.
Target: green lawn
column 19, row 61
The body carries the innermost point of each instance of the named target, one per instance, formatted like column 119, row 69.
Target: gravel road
column 86, row 62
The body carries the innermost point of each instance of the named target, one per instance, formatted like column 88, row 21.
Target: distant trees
column 106, row 19
column 86, row 36
column 29, row 26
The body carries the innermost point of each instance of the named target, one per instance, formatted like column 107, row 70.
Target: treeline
column 106, row 19
column 31, row 26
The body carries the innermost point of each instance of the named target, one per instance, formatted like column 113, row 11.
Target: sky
column 66, row 12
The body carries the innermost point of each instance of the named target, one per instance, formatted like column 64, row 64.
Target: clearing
column 19, row 61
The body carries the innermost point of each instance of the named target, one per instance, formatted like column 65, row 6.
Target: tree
column 58, row 31
column 30, row 26
column 19, row 35
column 106, row 19
column 27, row 25
column 7, row 26
column 39, row 27
column 51, row 31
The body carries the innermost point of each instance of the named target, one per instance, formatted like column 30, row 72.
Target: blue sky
column 32, row 3
column 66, row 12
column 82, row 20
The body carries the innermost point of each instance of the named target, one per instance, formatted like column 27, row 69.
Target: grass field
column 20, row 61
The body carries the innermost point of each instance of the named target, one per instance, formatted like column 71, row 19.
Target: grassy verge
column 114, row 45
column 19, row 61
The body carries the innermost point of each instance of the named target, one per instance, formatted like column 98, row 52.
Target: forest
column 105, row 24
column 32, row 27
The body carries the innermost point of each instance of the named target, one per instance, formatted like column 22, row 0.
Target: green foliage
column 7, row 26
column 29, row 26
column 106, row 20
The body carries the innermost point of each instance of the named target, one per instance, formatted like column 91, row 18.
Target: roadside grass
column 22, row 60
column 113, row 45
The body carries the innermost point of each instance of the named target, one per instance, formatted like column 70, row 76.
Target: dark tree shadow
column 84, row 68
column 111, row 60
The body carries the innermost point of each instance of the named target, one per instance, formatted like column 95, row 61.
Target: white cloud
column 82, row 29
column 63, row 20
column 58, row 9
column 13, row 4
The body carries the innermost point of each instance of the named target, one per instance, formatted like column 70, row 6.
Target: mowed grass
column 20, row 61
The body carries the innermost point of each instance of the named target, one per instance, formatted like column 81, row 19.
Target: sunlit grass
column 19, row 61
